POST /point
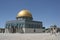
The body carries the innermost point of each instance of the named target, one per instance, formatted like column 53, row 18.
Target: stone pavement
column 29, row 36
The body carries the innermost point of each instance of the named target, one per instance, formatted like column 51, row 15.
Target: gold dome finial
column 24, row 13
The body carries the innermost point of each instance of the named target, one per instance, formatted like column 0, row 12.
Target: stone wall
column 32, row 30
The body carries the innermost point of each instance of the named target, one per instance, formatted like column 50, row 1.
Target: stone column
column 10, row 29
column 23, row 28
column 7, row 29
column 18, row 28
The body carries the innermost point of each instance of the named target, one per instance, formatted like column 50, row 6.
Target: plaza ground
column 29, row 36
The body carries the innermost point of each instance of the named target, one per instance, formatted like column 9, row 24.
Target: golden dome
column 24, row 13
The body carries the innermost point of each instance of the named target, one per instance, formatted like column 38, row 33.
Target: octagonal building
column 24, row 23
